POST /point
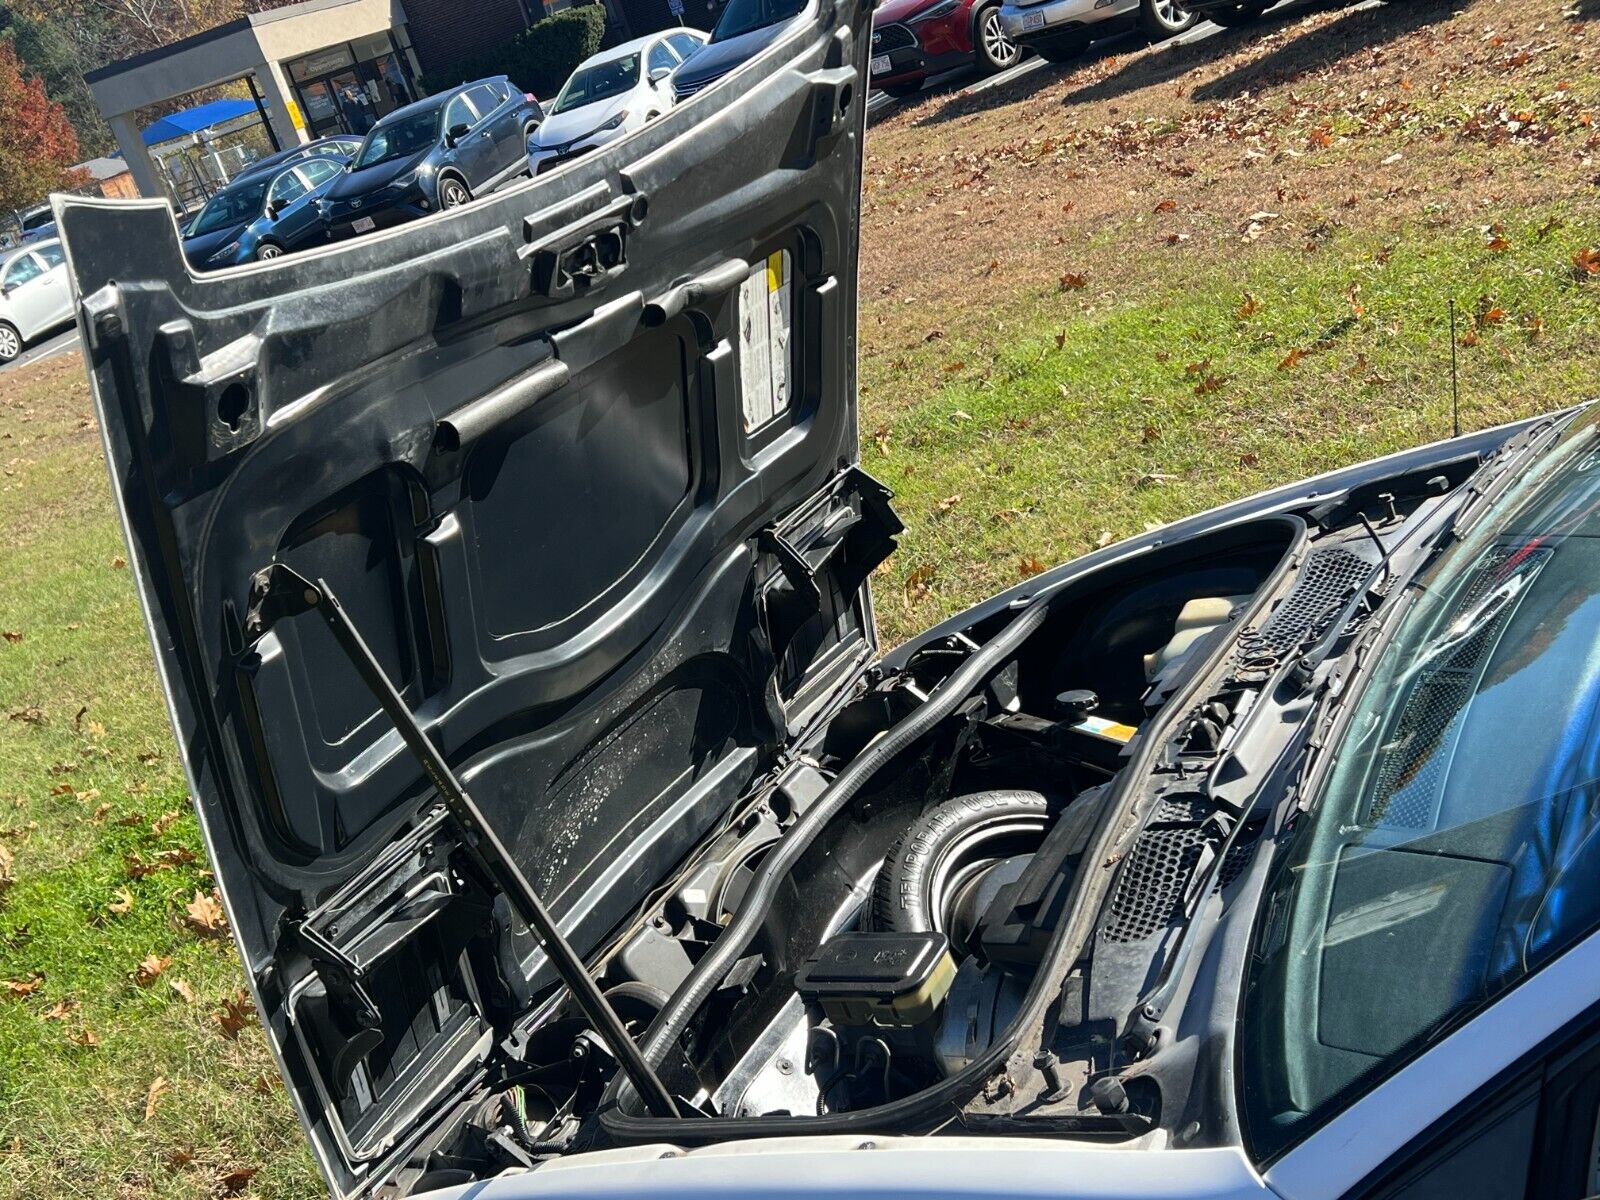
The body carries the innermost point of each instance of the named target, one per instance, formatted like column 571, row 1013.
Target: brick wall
column 444, row 30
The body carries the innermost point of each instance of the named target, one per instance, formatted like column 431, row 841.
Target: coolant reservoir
column 1195, row 619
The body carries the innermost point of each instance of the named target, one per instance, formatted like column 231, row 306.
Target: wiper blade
column 1496, row 475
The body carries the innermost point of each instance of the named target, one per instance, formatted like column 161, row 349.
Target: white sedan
column 611, row 94
column 35, row 296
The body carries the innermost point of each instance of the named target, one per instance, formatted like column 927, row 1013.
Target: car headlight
column 943, row 9
column 227, row 251
column 615, row 122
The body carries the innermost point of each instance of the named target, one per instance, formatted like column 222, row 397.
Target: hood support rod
column 279, row 591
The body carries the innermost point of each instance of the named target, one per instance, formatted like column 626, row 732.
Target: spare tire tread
column 901, row 893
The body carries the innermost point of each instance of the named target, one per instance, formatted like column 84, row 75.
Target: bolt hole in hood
column 578, row 462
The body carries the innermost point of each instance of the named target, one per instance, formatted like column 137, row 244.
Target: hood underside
column 578, row 463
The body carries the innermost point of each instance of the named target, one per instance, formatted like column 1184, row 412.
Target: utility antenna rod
column 1455, row 395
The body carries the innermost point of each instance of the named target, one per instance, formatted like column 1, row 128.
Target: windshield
column 601, row 81
column 237, row 205
column 1454, row 846
column 744, row 16
column 400, row 139
column 37, row 219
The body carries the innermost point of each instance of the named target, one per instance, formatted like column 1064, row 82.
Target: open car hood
column 579, row 464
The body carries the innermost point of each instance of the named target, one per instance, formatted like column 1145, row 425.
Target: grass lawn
column 1091, row 300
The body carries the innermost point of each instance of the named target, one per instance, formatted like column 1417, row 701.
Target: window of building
column 347, row 88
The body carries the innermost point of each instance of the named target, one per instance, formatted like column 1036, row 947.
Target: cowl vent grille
column 1326, row 584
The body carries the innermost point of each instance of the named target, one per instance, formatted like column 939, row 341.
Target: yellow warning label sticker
column 1101, row 727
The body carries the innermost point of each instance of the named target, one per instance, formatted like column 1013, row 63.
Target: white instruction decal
column 765, row 316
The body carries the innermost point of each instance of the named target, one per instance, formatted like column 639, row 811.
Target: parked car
column 509, row 580
column 1060, row 30
column 1229, row 13
column 263, row 214
column 342, row 146
column 610, row 95
column 435, row 154
column 744, row 30
column 915, row 39
column 37, row 225
column 35, row 295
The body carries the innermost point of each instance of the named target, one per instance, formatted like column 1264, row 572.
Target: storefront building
column 348, row 87
column 313, row 68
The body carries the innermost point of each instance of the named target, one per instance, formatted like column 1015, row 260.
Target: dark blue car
column 263, row 213
column 744, row 30
column 437, row 153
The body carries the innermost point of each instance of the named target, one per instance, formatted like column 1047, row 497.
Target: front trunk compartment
column 1023, row 751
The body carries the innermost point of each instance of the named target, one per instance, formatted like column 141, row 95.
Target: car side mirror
column 274, row 208
column 8, row 289
column 657, row 74
column 456, row 133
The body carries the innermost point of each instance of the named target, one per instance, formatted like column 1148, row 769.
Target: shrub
column 538, row 59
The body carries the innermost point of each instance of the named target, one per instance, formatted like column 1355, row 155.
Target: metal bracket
column 586, row 252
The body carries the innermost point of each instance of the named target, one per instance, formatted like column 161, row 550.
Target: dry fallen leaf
column 1586, row 262
column 233, row 1182
column 1469, row 338
column 118, row 563
column 1356, row 306
column 237, row 1012
column 1105, row 539
column 1209, row 384
column 1072, row 281
column 60, row 1010
column 1498, row 245
column 181, row 986
column 123, row 903
column 205, row 915
column 17, row 988
column 159, row 1087
column 84, row 1037
column 1249, row 459
column 1291, row 359
column 150, row 968
column 1029, row 565
column 11, row 635
column 1249, row 308
column 949, row 502
column 1167, row 206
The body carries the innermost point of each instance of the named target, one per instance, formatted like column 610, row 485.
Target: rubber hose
column 708, row 973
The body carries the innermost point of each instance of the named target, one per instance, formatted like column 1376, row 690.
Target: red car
column 915, row 39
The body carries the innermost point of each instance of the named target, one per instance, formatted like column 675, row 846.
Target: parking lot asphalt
column 58, row 343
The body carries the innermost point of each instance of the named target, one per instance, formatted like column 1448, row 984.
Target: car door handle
column 486, row 133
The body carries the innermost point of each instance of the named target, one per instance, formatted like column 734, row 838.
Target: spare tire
column 946, row 852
